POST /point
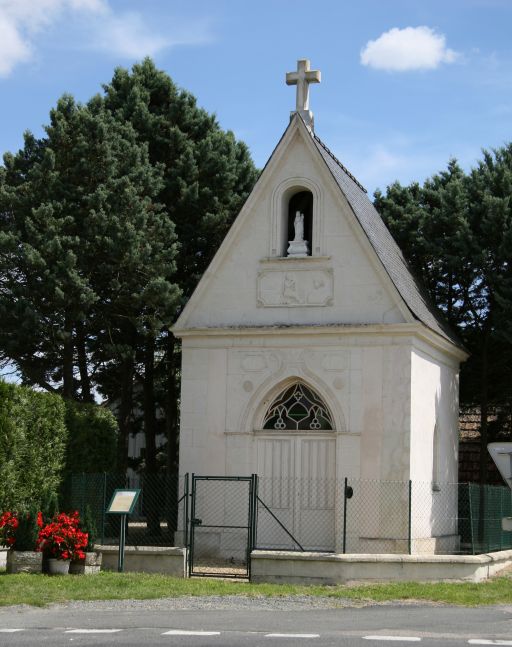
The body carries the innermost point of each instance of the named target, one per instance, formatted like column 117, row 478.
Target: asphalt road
column 253, row 623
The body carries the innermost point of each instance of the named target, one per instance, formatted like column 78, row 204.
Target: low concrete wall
column 3, row 557
column 327, row 568
column 146, row 559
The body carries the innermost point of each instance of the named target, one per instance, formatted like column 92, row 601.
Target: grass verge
column 40, row 590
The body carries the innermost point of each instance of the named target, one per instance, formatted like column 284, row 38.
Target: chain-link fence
column 344, row 516
column 159, row 516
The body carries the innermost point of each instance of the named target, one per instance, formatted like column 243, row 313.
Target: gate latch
column 196, row 522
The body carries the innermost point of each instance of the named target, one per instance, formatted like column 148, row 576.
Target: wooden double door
column 297, row 481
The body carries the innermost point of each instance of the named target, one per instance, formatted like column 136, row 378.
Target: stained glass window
column 298, row 408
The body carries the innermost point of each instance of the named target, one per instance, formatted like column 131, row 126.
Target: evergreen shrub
column 33, row 438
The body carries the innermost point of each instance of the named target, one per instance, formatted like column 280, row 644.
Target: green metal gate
column 222, row 525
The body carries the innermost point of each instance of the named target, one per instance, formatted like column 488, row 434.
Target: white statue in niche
column 298, row 225
column 298, row 246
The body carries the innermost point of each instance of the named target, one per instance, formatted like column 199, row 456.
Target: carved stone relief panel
column 295, row 287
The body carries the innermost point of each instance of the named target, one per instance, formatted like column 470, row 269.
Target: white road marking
column 185, row 632
column 483, row 641
column 92, row 631
column 292, row 635
column 9, row 631
column 410, row 639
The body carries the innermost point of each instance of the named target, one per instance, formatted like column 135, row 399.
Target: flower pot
column 58, row 566
column 24, row 561
column 89, row 566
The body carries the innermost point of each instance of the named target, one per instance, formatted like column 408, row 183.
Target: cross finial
column 302, row 78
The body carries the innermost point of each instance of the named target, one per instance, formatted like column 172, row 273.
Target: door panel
column 317, row 494
column 297, row 482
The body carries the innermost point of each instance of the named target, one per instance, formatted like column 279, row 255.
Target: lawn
column 40, row 590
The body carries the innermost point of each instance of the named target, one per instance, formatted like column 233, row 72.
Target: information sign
column 123, row 501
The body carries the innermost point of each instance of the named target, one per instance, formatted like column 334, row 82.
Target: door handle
column 196, row 522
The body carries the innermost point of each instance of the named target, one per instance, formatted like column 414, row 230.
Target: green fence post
column 409, row 537
column 103, row 508
column 345, row 515
column 471, row 524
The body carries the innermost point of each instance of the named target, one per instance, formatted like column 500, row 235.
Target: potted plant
column 90, row 564
column 19, row 533
column 60, row 541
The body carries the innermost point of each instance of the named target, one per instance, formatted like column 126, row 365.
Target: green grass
column 40, row 590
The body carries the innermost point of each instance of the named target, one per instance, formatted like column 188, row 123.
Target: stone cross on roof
column 302, row 78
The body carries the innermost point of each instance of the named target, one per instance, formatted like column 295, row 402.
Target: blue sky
column 405, row 83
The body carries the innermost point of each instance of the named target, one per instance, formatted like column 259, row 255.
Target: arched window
column 300, row 203
column 298, row 408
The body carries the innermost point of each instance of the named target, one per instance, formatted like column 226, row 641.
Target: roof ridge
column 342, row 166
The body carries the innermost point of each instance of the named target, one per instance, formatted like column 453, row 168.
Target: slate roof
column 410, row 289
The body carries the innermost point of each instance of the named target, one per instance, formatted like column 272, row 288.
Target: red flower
column 62, row 538
column 8, row 526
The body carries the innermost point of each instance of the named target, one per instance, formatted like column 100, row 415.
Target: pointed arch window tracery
column 298, row 408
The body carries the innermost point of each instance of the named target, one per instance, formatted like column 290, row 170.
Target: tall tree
column 106, row 225
column 207, row 177
column 86, row 253
column 456, row 231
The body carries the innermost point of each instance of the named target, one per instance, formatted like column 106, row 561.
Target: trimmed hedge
column 33, row 439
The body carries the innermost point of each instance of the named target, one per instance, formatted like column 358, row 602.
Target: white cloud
column 13, row 48
column 124, row 34
column 21, row 20
column 412, row 48
column 127, row 35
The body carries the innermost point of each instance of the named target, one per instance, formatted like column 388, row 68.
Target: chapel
column 311, row 355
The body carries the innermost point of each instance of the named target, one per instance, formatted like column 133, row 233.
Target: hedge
column 33, row 438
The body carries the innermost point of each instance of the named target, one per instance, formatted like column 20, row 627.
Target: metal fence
column 351, row 515
column 159, row 516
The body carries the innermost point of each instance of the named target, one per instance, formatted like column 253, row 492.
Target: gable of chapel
column 308, row 248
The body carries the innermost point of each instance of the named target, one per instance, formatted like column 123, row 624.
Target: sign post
column 123, row 503
column 501, row 454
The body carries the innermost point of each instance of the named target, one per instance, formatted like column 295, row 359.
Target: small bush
column 27, row 530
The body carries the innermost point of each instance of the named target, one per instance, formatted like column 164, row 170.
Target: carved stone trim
column 296, row 287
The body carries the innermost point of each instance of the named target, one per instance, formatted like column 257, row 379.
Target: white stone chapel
column 311, row 353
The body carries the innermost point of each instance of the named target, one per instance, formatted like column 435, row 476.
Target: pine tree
column 456, row 231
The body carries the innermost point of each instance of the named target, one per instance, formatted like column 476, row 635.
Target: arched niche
column 306, row 193
column 300, row 202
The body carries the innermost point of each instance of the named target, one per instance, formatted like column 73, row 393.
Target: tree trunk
column 127, row 369
column 171, row 432
column 484, row 405
column 149, row 405
column 68, row 390
column 171, row 417
column 484, row 410
column 85, row 380
column 154, row 498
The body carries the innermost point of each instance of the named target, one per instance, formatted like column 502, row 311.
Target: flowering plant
column 8, row 525
column 19, row 530
column 62, row 538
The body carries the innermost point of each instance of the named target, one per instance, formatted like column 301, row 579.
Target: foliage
column 88, row 526
column 106, row 224
column 32, row 443
column 456, row 232
column 29, row 523
column 92, row 439
column 50, row 506
column 62, row 538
